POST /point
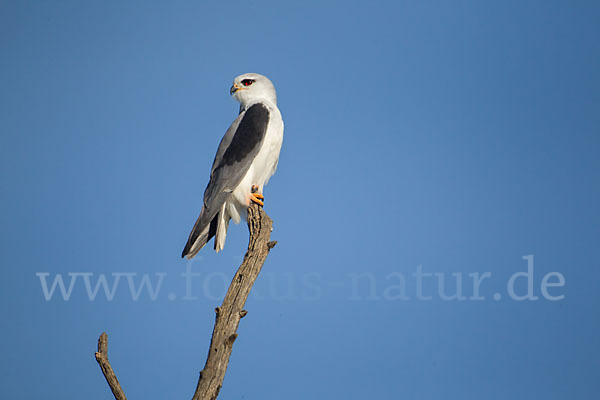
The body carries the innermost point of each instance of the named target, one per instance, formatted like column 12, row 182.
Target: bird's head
column 250, row 88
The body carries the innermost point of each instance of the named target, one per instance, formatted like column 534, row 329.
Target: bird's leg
column 255, row 196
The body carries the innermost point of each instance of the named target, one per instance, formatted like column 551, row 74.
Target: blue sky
column 456, row 136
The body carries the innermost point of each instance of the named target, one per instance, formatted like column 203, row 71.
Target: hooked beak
column 235, row 88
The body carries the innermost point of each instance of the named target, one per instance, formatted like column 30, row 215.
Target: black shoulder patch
column 249, row 134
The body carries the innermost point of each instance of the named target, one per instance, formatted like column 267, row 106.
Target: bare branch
column 227, row 316
column 232, row 310
column 109, row 374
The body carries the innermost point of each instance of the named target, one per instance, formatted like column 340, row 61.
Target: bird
column 246, row 159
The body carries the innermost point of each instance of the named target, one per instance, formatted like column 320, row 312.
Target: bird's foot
column 256, row 197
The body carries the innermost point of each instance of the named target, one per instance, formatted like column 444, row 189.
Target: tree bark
column 232, row 310
column 109, row 374
column 228, row 314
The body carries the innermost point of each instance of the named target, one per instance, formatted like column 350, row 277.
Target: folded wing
column 235, row 155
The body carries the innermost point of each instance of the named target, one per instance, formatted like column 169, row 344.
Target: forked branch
column 228, row 315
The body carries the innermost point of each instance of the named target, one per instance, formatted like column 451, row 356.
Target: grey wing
column 235, row 154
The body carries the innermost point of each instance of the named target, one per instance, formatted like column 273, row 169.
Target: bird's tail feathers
column 222, row 218
column 204, row 229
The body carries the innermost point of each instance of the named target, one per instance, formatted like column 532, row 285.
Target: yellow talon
column 256, row 198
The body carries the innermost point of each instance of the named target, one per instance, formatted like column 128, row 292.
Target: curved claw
column 257, row 198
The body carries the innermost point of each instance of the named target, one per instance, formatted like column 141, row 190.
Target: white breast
column 263, row 166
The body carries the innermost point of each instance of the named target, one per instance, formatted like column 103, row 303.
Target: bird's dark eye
column 247, row 82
